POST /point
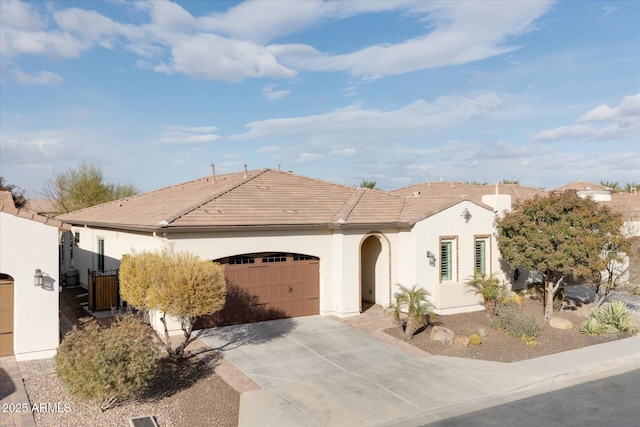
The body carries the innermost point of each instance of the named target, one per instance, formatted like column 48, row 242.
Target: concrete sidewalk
column 316, row 371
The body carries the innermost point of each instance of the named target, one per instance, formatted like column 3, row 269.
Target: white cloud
column 188, row 134
column 601, row 123
column 20, row 15
column 42, row 78
column 351, row 123
column 308, row 157
column 210, row 56
column 274, row 94
column 343, row 152
column 231, row 45
column 629, row 107
column 463, row 32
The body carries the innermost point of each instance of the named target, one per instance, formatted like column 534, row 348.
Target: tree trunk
column 550, row 290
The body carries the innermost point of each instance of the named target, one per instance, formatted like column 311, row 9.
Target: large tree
column 559, row 235
column 18, row 194
column 83, row 186
column 176, row 284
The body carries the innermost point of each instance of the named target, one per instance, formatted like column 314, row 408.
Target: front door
column 6, row 315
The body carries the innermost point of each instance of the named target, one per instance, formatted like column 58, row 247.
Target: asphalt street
column 612, row 402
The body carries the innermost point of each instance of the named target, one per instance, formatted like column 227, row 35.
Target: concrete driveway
column 316, row 371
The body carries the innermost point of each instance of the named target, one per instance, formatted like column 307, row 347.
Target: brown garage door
column 6, row 315
column 268, row 286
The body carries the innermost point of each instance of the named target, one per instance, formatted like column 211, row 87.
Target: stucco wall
column 452, row 296
column 25, row 246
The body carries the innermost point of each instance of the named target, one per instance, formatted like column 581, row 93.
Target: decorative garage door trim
column 268, row 285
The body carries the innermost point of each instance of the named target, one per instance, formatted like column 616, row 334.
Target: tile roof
column 42, row 206
column 581, row 186
column 263, row 197
column 26, row 214
column 628, row 204
column 259, row 198
column 464, row 191
column 6, row 199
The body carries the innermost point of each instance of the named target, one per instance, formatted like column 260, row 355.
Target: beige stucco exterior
column 356, row 263
column 27, row 245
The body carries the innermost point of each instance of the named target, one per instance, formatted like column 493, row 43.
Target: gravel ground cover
column 496, row 346
column 190, row 394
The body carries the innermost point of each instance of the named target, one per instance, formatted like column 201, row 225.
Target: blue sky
column 390, row 91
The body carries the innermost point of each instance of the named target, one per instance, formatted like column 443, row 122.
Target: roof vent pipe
column 213, row 172
column 278, row 165
column 245, row 171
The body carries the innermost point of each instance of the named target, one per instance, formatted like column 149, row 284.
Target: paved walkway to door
column 317, row 371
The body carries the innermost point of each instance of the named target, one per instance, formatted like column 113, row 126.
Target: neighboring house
column 294, row 245
column 44, row 207
column 29, row 322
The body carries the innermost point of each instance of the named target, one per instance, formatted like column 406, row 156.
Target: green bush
column 611, row 318
column 107, row 364
column 515, row 322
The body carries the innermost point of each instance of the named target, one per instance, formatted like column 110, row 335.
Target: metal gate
column 104, row 290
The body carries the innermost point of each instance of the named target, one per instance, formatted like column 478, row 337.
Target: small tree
column 415, row 303
column 489, row 287
column 175, row 284
column 559, row 235
column 107, row 364
column 82, row 187
column 16, row 193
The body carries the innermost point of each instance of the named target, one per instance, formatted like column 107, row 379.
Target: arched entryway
column 375, row 282
column 6, row 315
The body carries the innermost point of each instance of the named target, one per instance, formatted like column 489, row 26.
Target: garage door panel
column 268, row 290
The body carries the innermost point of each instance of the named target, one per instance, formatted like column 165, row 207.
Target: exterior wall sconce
column 466, row 215
column 432, row 258
column 38, row 278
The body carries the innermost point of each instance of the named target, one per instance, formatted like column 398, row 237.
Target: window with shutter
column 100, row 254
column 480, row 264
column 445, row 261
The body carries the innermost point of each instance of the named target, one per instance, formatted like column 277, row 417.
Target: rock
column 460, row 341
column 442, row 334
column 560, row 323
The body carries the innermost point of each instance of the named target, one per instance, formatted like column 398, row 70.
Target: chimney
column 278, row 165
column 213, row 172
column 245, row 171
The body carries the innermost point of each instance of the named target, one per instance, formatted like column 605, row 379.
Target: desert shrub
column 611, row 318
column 510, row 298
column 107, row 364
column 535, row 290
column 515, row 322
column 529, row 341
column 474, row 339
column 482, row 332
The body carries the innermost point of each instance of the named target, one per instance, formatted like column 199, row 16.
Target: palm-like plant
column 631, row 186
column 414, row 302
column 612, row 185
column 489, row 287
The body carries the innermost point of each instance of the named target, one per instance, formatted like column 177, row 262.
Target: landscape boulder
column 560, row 323
column 442, row 334
column 460, row 341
